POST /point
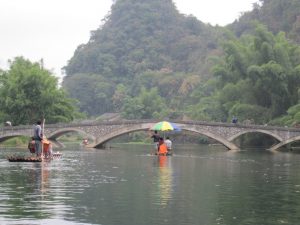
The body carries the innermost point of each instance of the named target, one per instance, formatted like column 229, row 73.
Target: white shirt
column 168, row 143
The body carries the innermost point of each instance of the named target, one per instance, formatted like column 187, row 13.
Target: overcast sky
column 52, row 29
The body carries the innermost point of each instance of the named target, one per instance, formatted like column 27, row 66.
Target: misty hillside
column 149, row 61
column 144, row 35
column 137, row 37
column 277, row 15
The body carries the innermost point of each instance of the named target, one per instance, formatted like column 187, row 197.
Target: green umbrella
column 165, row 126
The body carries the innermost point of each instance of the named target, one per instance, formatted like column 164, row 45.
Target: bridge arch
column 283, row 143
column 256, row 131
column 104, row 139
column 101, row 142
column 223, row 141
column 56, row 134
column 10, row 136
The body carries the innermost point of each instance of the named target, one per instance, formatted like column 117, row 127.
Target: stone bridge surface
column 102, row 132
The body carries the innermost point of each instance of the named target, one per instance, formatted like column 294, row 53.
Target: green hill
column 138, row 38
column 149, row 61
column 144, row 35
column 277, row 15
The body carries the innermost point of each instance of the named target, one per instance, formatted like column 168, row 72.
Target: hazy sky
column 52, row 29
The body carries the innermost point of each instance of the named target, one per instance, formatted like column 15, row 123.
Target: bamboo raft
column 46, row 155
column 56, row 155
column 23, row 159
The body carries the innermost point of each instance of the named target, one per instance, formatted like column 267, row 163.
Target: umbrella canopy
column 165, row 126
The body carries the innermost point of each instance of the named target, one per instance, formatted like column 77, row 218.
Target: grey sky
column 52, row 29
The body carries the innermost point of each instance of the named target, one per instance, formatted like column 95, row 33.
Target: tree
column 258, row 78
column 148, row 104
column 29, row 92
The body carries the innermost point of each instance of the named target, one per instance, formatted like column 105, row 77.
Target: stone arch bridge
column 102, row 132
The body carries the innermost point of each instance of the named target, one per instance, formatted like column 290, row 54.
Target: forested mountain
column 143, row 35
column 141, row 44
column 277, row 15
column 149, row 61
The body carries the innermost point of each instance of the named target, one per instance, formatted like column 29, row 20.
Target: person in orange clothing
column 162, row 148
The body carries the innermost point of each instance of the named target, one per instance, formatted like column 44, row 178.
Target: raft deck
column 23, row 159
column 32, row 159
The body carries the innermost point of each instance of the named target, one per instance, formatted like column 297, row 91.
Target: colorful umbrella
column 165, row 126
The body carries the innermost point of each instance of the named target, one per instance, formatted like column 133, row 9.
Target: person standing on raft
column 38, row 137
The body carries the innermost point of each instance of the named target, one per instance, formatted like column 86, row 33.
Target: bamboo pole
column 43, row 127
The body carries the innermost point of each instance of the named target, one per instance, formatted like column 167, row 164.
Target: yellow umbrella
column 165, row 126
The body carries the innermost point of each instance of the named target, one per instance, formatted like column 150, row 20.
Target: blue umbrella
column 165, row 126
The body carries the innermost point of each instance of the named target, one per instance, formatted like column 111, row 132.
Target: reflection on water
column 197, row 185
column 164, row 193
column 24, row 191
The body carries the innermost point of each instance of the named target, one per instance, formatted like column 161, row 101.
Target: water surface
column 127, row 186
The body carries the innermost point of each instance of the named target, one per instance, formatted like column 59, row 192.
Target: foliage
column 190, row 68
column 145, row 106
column 277, row 15
column 141, row 44
column 17, row 141
column 93, row 92
column 29, row 92
column 257, row 79
column 291, row 119
column 208, row 109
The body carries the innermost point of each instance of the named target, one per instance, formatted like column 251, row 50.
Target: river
column 198, row 185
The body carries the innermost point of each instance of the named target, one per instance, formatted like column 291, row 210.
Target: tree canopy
column 29, row 92
column 257, row 79
column 142, row 44
column 277, row 15
column 192, row 69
